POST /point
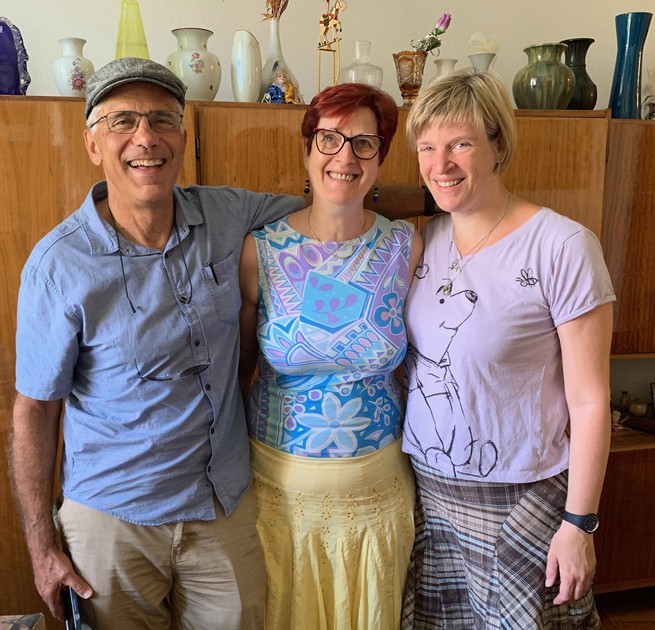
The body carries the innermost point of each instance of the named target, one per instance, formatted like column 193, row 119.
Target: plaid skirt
column 479, row 560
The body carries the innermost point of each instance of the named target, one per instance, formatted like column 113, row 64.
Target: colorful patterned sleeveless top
column 331, row 333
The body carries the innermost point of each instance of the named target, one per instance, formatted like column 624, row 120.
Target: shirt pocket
column 222, row 280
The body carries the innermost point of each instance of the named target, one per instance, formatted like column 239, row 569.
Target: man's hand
column 571, row 555
column 51, row 573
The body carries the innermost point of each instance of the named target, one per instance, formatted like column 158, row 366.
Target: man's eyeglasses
column 160, row 121
column 365, row 146
column 170, row 376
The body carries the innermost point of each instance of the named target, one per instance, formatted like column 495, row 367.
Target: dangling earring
column 306, row 188
column 376, row 194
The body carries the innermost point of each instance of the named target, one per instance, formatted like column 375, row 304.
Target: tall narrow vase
column 72, row 69
column 246, row 67
column 131, row 40
column 275, row 58
column 545, row 82
column 625, row 94
column 585, row 91
column 196, row 67
column 409, row 73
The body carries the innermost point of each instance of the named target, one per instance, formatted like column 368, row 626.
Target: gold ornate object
column 329, row 40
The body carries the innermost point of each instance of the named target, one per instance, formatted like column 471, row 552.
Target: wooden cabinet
column 561, row 162
column 629, row 233
column 259, row 147
column 625, row 544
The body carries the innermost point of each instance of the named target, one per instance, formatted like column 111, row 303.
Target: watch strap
column 586, row 522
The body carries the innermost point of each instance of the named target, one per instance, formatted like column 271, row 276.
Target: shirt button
column 212, row 430
column 165, row 254
column 196, row 343
column 209, row 469
column 208, row 386
column 184, row 299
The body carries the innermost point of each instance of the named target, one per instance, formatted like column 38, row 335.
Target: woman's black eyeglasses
column 365, row 146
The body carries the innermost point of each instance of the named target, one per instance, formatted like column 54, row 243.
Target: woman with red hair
column 323, row 294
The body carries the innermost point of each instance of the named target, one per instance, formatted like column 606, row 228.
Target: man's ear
column 92, row 147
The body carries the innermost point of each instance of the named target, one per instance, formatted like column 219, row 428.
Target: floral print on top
column 331, row 333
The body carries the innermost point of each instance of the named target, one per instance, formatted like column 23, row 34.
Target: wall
column 389, row 24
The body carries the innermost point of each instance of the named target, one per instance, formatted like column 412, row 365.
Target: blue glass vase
column 625, row 95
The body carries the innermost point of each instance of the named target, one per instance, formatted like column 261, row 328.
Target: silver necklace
column 343, row 250
column 457, row 266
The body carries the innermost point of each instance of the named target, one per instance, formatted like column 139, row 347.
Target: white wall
column 389, row 24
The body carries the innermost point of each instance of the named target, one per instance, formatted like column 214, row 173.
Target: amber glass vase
column 409, row 73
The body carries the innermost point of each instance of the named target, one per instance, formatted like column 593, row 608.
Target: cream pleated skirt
column 337, row 537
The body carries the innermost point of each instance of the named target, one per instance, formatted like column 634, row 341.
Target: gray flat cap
column 129, row 70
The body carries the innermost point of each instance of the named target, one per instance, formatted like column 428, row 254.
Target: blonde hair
column 467, row 96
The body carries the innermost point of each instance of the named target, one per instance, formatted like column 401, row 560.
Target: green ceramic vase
column 545, row 82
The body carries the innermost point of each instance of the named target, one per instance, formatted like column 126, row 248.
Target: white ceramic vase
column 72, row 69
column 443, row 66
column 246, row 68
column 197, row 68
column 274, row 56
column 361, row 70
column 481, row 61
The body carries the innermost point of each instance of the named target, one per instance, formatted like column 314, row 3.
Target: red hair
column 342, row 100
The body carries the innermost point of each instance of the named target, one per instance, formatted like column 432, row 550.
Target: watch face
column 591, row 523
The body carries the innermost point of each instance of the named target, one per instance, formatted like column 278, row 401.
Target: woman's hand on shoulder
column 415, row 254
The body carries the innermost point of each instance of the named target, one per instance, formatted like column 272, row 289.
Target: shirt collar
column 101, row 235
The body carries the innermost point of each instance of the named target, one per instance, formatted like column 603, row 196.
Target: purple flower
column 444, row 23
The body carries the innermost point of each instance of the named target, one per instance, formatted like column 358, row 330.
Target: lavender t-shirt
column 484, row 369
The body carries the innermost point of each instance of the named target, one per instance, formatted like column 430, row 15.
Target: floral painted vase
column 72, row 69
column 195, row 66
column 545, row 82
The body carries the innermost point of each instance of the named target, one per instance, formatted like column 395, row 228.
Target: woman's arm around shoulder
column 415, row 254
column 249, row 284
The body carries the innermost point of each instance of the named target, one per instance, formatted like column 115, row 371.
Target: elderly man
column 128, row 311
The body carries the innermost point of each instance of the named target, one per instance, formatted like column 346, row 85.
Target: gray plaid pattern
column 484, row 569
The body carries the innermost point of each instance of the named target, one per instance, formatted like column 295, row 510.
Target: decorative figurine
column 329, row 39
column 14, row 78
column 281, row 89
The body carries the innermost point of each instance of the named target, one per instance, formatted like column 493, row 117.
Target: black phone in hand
column 71, row 609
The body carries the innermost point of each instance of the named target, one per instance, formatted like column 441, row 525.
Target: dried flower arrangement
column 275, row 8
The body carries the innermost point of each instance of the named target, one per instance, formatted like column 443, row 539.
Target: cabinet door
column 629, row 233
column 560, row 163
column 251, row 145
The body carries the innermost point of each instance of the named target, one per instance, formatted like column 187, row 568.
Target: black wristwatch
column 586, row 522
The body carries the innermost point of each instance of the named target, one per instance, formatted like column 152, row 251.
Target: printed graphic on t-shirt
column 432, row 378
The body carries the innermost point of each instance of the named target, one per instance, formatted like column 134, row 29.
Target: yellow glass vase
column 131, row 41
